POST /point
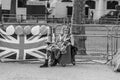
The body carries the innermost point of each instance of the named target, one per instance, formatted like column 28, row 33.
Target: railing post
column 50, row 34
column 2, row 18
column 53, row 18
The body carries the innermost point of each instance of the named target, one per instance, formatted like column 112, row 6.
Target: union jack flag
column 22, row 47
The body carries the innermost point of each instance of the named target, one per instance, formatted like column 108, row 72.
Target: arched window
column 91, row 4
column 112, row 4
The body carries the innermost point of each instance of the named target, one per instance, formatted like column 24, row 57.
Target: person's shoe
column 63, row 65
column 54, row 63
column 117, row 68
column 73, row 63
column 45, row 64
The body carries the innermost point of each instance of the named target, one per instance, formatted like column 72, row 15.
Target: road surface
column 81, row 71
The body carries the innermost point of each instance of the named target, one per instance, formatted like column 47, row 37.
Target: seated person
column 48, row 52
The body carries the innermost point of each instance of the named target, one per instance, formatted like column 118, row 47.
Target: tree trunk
column 78, row 18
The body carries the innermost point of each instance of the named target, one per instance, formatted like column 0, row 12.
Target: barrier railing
column 12, row 18
column 99, row 43
column 116, row 37
column 102, row 40
column 37, row 18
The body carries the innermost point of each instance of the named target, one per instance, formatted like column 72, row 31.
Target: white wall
column 6, row 4
column 60, row 9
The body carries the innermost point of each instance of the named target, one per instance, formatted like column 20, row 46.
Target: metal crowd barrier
column 37, row 18
column 100, row 42
column 116, row 39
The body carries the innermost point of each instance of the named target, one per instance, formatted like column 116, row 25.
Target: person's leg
column 53, row 59
column 46, row 60
column 73, row 53
column 73, row 60
column 45, row 64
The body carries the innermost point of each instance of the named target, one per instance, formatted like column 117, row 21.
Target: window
column 112, row 4
column 66, row 0
column 48, row 5
column 91, row 4
column 5, row 12
column 22, row 3
column 36, row 9
column 69, row 11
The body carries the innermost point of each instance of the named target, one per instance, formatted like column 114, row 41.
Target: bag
column 63, row 50
column 74, row 50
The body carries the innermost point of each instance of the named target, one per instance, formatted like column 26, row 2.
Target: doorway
column 86, row 11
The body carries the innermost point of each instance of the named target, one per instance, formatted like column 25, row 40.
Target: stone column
column 99, row 8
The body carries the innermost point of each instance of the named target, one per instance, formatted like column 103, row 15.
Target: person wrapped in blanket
column 52, row 55
column 67, row 50
column 61, row 51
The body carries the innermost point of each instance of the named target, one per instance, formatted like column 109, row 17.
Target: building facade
column 24, row 7
column 94, row 8
column 58, row 8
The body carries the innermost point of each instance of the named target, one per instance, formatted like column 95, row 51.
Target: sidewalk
column 20, row 71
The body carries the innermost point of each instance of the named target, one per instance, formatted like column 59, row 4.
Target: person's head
column 91, row 11
column 66, row 30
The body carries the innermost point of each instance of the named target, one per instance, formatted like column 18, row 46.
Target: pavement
column 81, row 71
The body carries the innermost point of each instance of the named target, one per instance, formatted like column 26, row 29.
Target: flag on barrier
column 22, row 47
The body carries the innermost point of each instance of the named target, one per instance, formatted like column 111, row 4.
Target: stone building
column 24, row 7
column 58, row 8
column 94, row 8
